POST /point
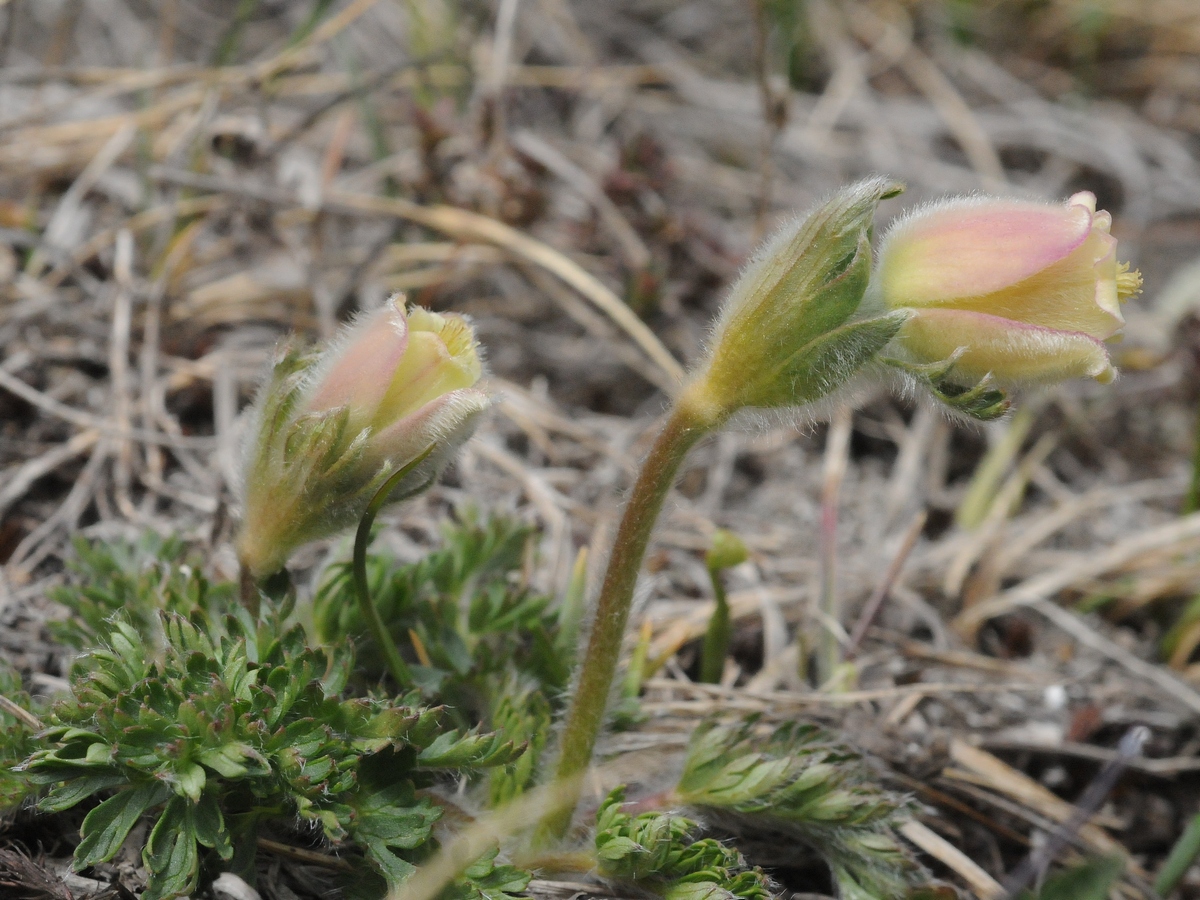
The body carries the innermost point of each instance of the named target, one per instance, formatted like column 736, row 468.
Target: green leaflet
column 525, row 715
column 471, row 750
column 66, row 794
column 799, row 781
column 983, row 401
column 170, row 854
column 393, row 819
column 656, row 851
column 106, row 827
column 485, row 880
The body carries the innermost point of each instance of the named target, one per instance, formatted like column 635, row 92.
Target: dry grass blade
column 1155, row 674
column 467, row 225
column 997, row 775
column 21, row 478
column 1034, row 866
column 879, row 595
column 1090, row 566
column 983, row 885
column 94, row 423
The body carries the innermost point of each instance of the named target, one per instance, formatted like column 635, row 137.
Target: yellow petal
column 441, row 357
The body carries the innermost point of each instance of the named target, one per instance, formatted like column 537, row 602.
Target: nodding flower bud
column 790, row 331
column 1024, row 292
column 396, row 386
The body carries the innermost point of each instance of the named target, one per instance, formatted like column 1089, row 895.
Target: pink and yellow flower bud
column 330, row 432
column 1023, row 291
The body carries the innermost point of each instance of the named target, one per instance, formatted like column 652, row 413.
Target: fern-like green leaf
column 656, row 851
column 799, row 781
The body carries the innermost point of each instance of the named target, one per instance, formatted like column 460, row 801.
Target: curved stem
column 248, row 590
column 687, row 424
column 383, row 638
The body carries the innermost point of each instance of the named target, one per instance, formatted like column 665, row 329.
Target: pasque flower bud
column 327, row 432
column 791, row 330
column 1022, row 291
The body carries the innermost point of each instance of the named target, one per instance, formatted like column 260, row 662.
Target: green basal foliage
column 140, row 580
column 16, row 738
column 215, row 728
column 801, row 782
column 489, row 647
column 210, row 725
column 465, row 605
column 657, row 852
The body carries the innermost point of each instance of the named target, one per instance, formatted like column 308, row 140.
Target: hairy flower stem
column 248, row 590
column 691, row 419
column 383, row 638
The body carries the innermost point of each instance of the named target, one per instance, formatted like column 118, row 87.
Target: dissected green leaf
column 983, row 400
column 471, row 750
column 657, row 851
column 522, row 714
column 485, row 880
column 136, row 579
column 467, row 607
column 798, row 780
column 390, row 820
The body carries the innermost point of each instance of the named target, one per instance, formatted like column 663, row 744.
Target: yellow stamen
column 457, row 336
column 1129, row 283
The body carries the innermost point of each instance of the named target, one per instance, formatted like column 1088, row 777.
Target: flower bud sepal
column 983, row 401
column 306, row 463
column 792, row 330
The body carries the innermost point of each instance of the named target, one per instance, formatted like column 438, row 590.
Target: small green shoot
column 727, row 551
column 1180, row 859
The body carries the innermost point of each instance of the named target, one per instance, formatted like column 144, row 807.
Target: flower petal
column 445, row 422
column 442, row 356
column 967, row 248
column 357, row 372
column 1078, row 293
column 1010, row 351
